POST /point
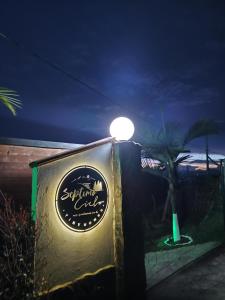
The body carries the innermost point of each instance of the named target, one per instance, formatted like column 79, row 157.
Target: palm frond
column 7, row 97
column 166, row 143
column 201, row 128
column 181, row 159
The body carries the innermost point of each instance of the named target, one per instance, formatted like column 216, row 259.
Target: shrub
column 16, row 251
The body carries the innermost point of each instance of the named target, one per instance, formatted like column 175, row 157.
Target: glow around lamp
column 122, row 129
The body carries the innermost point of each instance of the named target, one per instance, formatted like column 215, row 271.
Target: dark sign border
column 56, row 198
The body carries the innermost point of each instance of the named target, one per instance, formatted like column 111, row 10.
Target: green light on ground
column 177, row 239
column 185, row 240
column 34, row 192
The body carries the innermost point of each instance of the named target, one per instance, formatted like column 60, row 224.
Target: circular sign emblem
column 82, row 198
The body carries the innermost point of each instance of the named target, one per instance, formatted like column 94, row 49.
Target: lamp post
column 131, row 270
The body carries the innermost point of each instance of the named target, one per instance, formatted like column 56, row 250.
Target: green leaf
column 8, row 104
column 7, row 97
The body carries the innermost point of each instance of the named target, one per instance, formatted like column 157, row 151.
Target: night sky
column 148, row 58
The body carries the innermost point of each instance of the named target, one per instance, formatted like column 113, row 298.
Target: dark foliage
column 16, row 251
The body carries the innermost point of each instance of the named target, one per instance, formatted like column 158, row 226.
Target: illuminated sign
column 82, row 198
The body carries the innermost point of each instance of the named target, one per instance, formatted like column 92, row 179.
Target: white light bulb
column 122, row 128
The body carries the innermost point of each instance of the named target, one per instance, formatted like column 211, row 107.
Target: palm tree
column 165, row 146
column 9, row 99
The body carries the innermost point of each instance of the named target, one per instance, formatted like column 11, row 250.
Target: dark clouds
column 146, row 56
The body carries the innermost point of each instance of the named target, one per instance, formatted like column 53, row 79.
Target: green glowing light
column 185, row 240
column 176, row 229
column 34, row 192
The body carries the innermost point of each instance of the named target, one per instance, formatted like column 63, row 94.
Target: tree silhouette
column 165, row 146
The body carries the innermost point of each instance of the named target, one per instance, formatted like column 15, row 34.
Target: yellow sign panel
column 75, row 217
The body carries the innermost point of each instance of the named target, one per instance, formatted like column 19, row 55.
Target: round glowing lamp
column 122, row 129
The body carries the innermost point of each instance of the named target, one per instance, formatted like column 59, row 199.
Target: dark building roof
column 37, row 143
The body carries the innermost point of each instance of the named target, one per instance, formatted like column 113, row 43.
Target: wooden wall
column 15, row 173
